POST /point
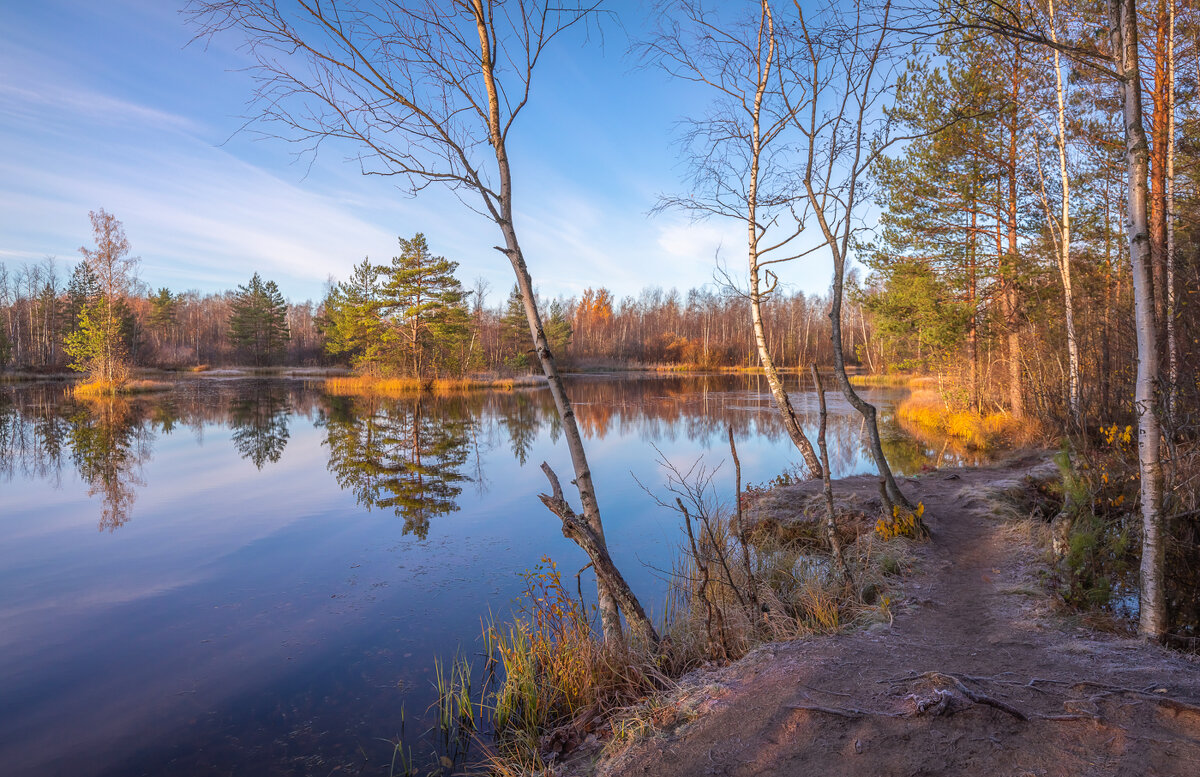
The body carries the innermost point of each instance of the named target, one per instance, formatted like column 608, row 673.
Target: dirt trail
column 1050, row 697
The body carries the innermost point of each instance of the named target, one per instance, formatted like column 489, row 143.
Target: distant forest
column 40, row 303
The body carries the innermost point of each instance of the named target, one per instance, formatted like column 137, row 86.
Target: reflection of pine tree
column 405, row 454
column 522, row 422
column 109, row 444
column 260, row 423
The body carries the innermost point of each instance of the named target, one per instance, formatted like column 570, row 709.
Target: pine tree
column 425, row 308
column 558, row 328
column 514, row 331
column 351, row 321
column 258, row 322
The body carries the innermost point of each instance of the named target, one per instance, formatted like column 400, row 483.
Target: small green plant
column 1100, row 552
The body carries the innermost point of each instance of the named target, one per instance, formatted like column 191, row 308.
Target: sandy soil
column 976, row 675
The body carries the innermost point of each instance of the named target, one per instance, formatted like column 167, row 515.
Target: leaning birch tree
column 843, row 63
column 429, row 92
column 739, row 159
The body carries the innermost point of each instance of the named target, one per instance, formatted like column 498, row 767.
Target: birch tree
column 428, row 92
column 1124, row 36
column 740, row 160
column 843, row 66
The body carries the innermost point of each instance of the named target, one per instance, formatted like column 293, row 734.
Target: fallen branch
column 844, row 713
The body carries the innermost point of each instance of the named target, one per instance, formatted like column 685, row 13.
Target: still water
column 252, row 577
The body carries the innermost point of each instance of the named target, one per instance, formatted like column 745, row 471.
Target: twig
column 752, row 584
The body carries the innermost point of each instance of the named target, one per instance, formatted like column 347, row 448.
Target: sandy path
column 973, row 610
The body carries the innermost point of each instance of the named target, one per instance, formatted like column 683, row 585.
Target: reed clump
column 367, row 385
column 104, row 388
column 894, row 380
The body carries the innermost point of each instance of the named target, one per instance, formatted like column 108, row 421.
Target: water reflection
column 410, row 454
column 405, row 455
column 261, row 607
column 110, row 441
column 260, row 423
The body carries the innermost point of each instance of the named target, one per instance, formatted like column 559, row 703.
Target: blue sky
column 103, row 104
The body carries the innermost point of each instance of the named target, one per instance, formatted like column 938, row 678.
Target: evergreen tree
column 83, row 287
column 558, row 328
column 258, row 321
column 352, row 322
column 164, row 310
column 425, row 308
column 514, row 331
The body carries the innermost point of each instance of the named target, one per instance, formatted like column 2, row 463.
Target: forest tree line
column 417, row 321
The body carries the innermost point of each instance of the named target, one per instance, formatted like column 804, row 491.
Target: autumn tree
column 99, row 344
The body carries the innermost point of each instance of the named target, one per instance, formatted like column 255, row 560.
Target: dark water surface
column 251, row 577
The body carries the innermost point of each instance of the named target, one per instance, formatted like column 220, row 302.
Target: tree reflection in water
column 404, row 454
column 109, row 442
column 410, row 454
column 260, row 422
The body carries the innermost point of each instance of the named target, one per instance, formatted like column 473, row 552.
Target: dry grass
column 894, row 381
column 362, row 385
column 978, row 431
column 100, row 388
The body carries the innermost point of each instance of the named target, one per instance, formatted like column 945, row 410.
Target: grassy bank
column 368, row 386
column 894, row 381
column 550, row 682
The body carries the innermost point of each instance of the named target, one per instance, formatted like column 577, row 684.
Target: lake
column 252, row 577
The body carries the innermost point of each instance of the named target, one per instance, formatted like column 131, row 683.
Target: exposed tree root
column 974, row 696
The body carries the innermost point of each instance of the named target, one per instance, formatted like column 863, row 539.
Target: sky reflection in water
column 251, row 577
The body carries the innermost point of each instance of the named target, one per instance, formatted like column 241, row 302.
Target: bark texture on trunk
column 753, row 234
column 1152, row 622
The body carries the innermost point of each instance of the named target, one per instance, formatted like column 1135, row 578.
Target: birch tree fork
column 844, row 131
column 428, row 92
column 740, row 162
